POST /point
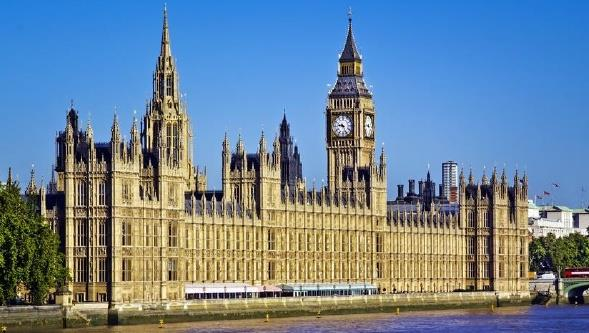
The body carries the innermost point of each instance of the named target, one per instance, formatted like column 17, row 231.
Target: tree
column 562, row 254
column 29, row 250
column 580, row 244
column 551, row 253
column 537, row 255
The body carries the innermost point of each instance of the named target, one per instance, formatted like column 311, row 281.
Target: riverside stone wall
column 98, row 314
column 307, row 306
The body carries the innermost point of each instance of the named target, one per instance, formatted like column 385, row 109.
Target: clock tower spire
column 349, row 119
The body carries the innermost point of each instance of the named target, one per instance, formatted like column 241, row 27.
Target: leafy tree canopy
column 555, row 254
column 29, row 249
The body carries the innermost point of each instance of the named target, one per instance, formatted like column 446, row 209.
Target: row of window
column 488, row 267
column 167, row 86
column 81, row 193
column 305, row 270
column 81, row 235
column 221, row 271
column 484, row 219
column 127, row 231
column 81, row 270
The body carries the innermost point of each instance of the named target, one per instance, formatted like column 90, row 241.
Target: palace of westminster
column 137, row 222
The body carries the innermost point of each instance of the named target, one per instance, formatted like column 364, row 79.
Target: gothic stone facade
column 137, row 222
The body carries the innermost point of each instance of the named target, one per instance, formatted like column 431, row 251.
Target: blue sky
column 484, row 83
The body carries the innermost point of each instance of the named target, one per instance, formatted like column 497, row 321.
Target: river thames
column 509, row 319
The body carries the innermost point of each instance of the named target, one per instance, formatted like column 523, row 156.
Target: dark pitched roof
column 350, row 52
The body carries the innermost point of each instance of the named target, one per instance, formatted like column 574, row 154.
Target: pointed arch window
column 102, row 193
column 168, row 136
column 176, row 142
column 81, row 193
column 169, row 85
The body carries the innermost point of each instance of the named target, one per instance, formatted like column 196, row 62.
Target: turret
column 89, row 133
column 226, row 168
column 262, row 150
column 32, row 186
column 135, row 141
column 462, row 191
column 239, row 147
column 503, row 178
column 69, row 146
column 470, row 178
column 276, row 151
column 90, row 142
column 115, row 140
column 524, row 186
column 484, row 178
column 383, row 163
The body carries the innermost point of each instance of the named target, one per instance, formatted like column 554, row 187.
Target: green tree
column 562, row 254
column 580, row 244
column 29, row 250
column 537, row 255
column 559, row 253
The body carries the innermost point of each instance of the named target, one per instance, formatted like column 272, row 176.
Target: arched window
column 169, row 136
column 176, row 142
column 169, row 85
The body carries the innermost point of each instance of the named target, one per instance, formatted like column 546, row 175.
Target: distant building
column 581, row 218
column 450, row 181
column 558, row 220
column 425, row 197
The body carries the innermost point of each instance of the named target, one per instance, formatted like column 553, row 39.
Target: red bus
column 576, row 272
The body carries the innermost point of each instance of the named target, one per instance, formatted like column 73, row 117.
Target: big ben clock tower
column 349, row 119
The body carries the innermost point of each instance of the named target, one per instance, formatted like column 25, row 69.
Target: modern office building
column 450, row 181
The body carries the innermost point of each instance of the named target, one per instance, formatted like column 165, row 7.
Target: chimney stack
column 400, row 194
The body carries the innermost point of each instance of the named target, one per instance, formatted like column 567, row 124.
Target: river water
column 564, row 318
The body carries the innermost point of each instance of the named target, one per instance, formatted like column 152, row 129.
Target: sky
column 484, row 83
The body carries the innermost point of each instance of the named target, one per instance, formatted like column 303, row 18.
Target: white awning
column 218, row 288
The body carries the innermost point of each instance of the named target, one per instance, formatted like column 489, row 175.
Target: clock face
column 368, row 127
column 342, row 126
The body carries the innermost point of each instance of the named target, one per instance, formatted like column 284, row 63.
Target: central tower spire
column 166, row 49
column 166, row 127
column 165, row 81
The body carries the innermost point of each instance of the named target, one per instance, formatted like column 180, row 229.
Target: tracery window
column 80, row 269
column 271, row 240
column 172, row 269
column 126, row 233
column 101, row 193
column 81, row 193
column 126, row 270
column 172, row 235
column 101, row 233
column 169, row 85
column 472, row 270
column 101, row 270
column 81, row 232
